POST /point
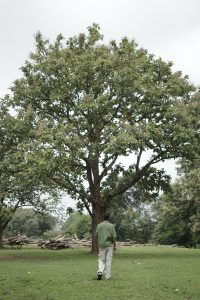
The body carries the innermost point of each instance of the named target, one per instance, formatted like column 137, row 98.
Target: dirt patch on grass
column 6, row 258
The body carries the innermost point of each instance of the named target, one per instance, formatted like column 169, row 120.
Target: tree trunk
column 1, row 236
column 97, row 217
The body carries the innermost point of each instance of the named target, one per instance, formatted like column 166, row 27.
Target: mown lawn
column 153, row 273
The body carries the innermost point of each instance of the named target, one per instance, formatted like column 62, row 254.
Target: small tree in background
column 133, row 215
column 179, row 213
column 78, row 224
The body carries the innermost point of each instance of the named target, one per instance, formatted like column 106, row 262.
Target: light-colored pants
column 105, row 261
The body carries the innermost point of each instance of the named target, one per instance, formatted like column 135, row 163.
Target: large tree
column 96, row 103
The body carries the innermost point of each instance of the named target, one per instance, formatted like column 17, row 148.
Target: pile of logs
column 64, row 242
column 130, row 243
column 59, row 242
column 17, row 242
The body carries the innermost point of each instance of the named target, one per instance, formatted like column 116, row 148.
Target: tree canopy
column 94, row 104
column 20, row 185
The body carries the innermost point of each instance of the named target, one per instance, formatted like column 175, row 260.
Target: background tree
column 133, row 214
column 178, row 210
column 133, row 224
column 179, row 213
column 97, row 103
column 78, row 224
column 31, row 223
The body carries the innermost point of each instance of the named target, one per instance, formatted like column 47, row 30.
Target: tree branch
column 89, row 173
column 137, row 176
column 87, row 206
column 106, row 169
column 138, row 159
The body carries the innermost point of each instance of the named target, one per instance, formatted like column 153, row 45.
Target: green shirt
column 105, row 234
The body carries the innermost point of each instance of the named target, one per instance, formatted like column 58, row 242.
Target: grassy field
column 153, row 273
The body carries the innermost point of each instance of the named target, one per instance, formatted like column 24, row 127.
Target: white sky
column 167, row 28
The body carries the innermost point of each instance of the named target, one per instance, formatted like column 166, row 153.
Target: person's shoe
column 99, row 276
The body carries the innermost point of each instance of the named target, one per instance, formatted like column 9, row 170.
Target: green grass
column 153, row 273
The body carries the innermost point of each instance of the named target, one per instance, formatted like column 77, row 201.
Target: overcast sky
column 167, row 28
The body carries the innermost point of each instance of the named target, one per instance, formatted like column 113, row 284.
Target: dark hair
column 106, row 216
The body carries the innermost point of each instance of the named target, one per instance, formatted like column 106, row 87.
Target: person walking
column 106, row 236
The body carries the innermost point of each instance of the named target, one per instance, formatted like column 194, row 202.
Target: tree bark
column 97, row 217
column 1, row 236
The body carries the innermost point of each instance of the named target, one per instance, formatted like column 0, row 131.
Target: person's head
column 106, row 216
